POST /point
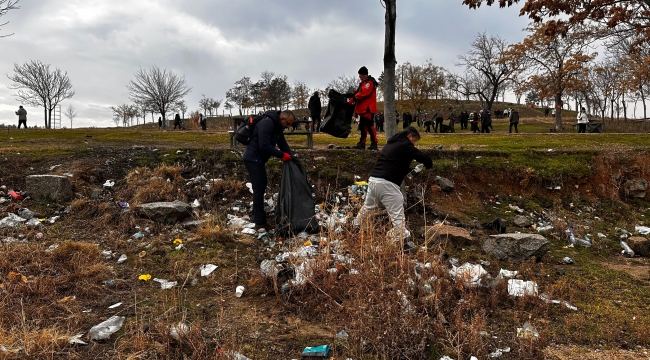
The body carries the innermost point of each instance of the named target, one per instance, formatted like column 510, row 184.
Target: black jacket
column 267, row 133
column 394, row 161
column 314, row 106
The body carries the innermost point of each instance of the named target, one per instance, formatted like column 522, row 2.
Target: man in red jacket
column 365, row 105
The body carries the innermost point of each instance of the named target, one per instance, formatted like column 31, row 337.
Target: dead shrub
column 146, row 186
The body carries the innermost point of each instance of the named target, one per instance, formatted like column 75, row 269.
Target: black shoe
column 373, row 146
column 360, row 146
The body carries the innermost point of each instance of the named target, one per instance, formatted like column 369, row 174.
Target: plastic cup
column 239, row 291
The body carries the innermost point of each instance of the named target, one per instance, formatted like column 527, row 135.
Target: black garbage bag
column 295, row 211
column 338, row 118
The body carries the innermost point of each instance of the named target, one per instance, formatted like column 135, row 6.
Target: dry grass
column 160, row 184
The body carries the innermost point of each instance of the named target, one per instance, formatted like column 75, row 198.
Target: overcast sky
column 213, row 43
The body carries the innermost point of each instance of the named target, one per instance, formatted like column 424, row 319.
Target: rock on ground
column 516, row 247
column 640, row 245
column 445, row 184
column 456, row 235
column 165, row 212
column 522, row 221
column 636, row 187
column 55, row 187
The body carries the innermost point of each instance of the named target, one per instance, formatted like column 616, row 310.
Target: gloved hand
column 286, row 157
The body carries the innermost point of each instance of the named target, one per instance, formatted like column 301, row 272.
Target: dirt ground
column 39, row 274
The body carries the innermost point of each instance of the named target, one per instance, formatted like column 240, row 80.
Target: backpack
column 244, row 132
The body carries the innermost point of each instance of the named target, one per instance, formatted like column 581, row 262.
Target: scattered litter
column 521, row 288
column 122, row 259
column 516, row 208
column 249, row 231
column 33, row 222
column 142, row 254
column 627, row 250
column 239, row 291
column 25, row 213
column 196, row 203
column 109, row 184
column 545, row 228
column 109, row 282
column 53, row 219
column 178, row 330
column 12, row 220
column 302, row 273
column 137, row 235
column 503, row 273
column 68, row 299
column 316, row 351
column 643, row 230
column 164, row 284
column 123, row 204
column 577, row 241
column 527, row 331
column 250, row 187
column 115, row 305
column 104, row 330
column 567, row 260
column 15, row 195
column 447, row 357
column 468, row 274
column 144, row 277
column 54, row 167
column 76, row 340
column 499, row 352
column 177, row 242
column 207, row 269
column 69, row 174
column 342, row 335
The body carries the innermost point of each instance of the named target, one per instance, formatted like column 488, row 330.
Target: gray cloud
column 213, row 43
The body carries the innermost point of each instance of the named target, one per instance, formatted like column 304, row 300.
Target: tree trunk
column 643, row 102
column 45, row 113
column 164, row 118
column 558, row 112
column 389, row 68
column 49, row 119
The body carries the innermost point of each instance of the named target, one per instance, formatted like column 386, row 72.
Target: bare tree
column 38, row 86
column 482, row 63
column 344, row 83
column 214, row 106
column 70, row 113
column 5, row 6
column 421, row 83
column 300, row 96
column 160, row 88
column 123, row 114
column 240, row 94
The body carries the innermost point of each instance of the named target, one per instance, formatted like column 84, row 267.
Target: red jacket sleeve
column 364, row 90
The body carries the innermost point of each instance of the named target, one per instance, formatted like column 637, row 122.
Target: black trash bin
column 595, row 127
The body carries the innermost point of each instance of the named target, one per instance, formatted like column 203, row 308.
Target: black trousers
column 582, row 128
column 427, row 126
column 23, row 122
column 438, row 124
column 177, row 124
column 257, row 176
column 515, row 125
column 485, row 128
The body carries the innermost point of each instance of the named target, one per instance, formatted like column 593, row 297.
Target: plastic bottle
column 627, row 250
column 415, row 170
column 572, row 238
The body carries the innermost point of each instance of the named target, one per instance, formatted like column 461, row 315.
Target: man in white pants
column 393, row 164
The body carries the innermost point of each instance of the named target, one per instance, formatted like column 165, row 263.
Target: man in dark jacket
column 315, row 110
column 267, row 133
column 486, row 121
column 177, row 122
column 514, row 120
column 393, row 164
column 22, row 116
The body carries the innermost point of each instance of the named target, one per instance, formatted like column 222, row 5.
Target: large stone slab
column 456, row 235
column 522, row 221
column 636, row 187
column 165, row 212
column 516, row 247
column 445, row 184
column 640, row 245
column 55, row 187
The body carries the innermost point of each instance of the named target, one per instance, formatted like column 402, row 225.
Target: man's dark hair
column 288, row 113
column 315, row 93
column 411, row 131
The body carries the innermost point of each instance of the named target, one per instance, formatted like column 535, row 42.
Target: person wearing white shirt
column 583, row 120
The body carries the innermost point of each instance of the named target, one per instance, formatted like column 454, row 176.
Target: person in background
column 452, row 119
column 160, row 122
column 267, row 134
column 202, row 122
column 486, row 121
column 315, row 108
column 365, row 106
column 22, row 116
column 514, row 120
column 177, row 122
column 379, row 122
column 583, row 120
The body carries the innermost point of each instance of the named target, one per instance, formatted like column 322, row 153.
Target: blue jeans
column 257, row 175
